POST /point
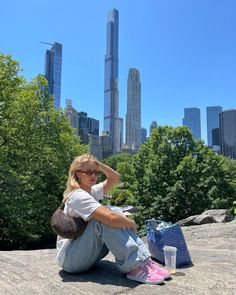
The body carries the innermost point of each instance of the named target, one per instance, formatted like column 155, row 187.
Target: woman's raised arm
column 112, row 177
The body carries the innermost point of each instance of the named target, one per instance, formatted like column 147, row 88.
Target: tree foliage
column 175, row 176
column 37, row 145
column 120, row 163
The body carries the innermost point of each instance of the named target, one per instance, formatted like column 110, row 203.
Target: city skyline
column 184, row 50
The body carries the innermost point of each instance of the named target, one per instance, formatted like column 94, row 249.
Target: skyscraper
column 111, row 93
column 93, row 126
column 83, row 127
column 53, row 66
column 192, row 120
column 106, row 144
column 152, row 126
column 133, row 115
column 213, row 121
column 228, row 133
column 87, row 126
column 143, row 135
column 72, row 114
column 121, row 131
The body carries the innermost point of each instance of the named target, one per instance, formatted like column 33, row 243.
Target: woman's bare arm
column 113, row 219
column 112, row 177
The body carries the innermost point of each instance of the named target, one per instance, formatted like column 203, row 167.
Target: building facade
column 87, row 126
column 83, row 120
column 228, row 133
column 93, row 126
column 133, row 115
column 111, row 93
column 106, row 144
column 95, row 147
column 72, row 114
column 152, row 126
column 192, row 119
column 216, row 139
column 213, row 122
column 53, row 68
column 121, row 131
column 143, row 135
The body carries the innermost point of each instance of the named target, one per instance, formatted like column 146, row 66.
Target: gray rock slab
column 209, row 216
column 214, row 215
column 212, row 248
column 187, row 221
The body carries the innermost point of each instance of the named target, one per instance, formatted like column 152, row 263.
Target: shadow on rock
column 191, row 264
column 104, row 273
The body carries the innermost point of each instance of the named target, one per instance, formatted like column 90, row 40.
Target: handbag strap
column 62, row 205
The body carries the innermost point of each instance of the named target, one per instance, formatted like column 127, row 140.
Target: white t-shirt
column 80, row 203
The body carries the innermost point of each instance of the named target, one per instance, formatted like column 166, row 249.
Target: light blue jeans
column 97, row 240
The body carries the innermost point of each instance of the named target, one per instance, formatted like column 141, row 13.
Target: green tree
column 175, row 176
column 114, row 160
column 37, row 145
column 121, row 164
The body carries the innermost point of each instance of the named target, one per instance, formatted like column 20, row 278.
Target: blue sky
column 185, row 51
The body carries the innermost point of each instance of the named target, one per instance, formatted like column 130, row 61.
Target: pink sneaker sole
column 145, row 274
column 146, row 281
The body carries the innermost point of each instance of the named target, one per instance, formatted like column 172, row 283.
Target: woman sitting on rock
column 107, row 230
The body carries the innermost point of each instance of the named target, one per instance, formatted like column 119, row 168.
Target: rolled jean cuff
column 127, row 267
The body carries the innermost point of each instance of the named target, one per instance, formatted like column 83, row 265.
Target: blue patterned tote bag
column 161, row 233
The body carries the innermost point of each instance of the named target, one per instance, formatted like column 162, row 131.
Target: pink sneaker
column 144, row 274
column 157, row 269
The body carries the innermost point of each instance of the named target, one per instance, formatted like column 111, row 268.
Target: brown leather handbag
column 66, row 226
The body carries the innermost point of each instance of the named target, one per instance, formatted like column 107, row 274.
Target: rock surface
column 212, row 248
column 187, row 221
column 209, row 216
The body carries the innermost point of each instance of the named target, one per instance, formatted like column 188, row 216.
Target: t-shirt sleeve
column 82, row 203
column 97, row 191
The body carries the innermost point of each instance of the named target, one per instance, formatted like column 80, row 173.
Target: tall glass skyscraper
column 133, row 116
column 213, row 121
column 192, row 119
column 111, row 93
column 228, row 133
column 53, row 66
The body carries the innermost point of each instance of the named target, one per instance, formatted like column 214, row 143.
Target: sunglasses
column 89, row 172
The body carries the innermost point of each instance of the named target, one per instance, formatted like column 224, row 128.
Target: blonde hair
column 72, row 181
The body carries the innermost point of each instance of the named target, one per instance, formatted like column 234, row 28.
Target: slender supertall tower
column 111, row 93
column 133, row 116
column 53, row 66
